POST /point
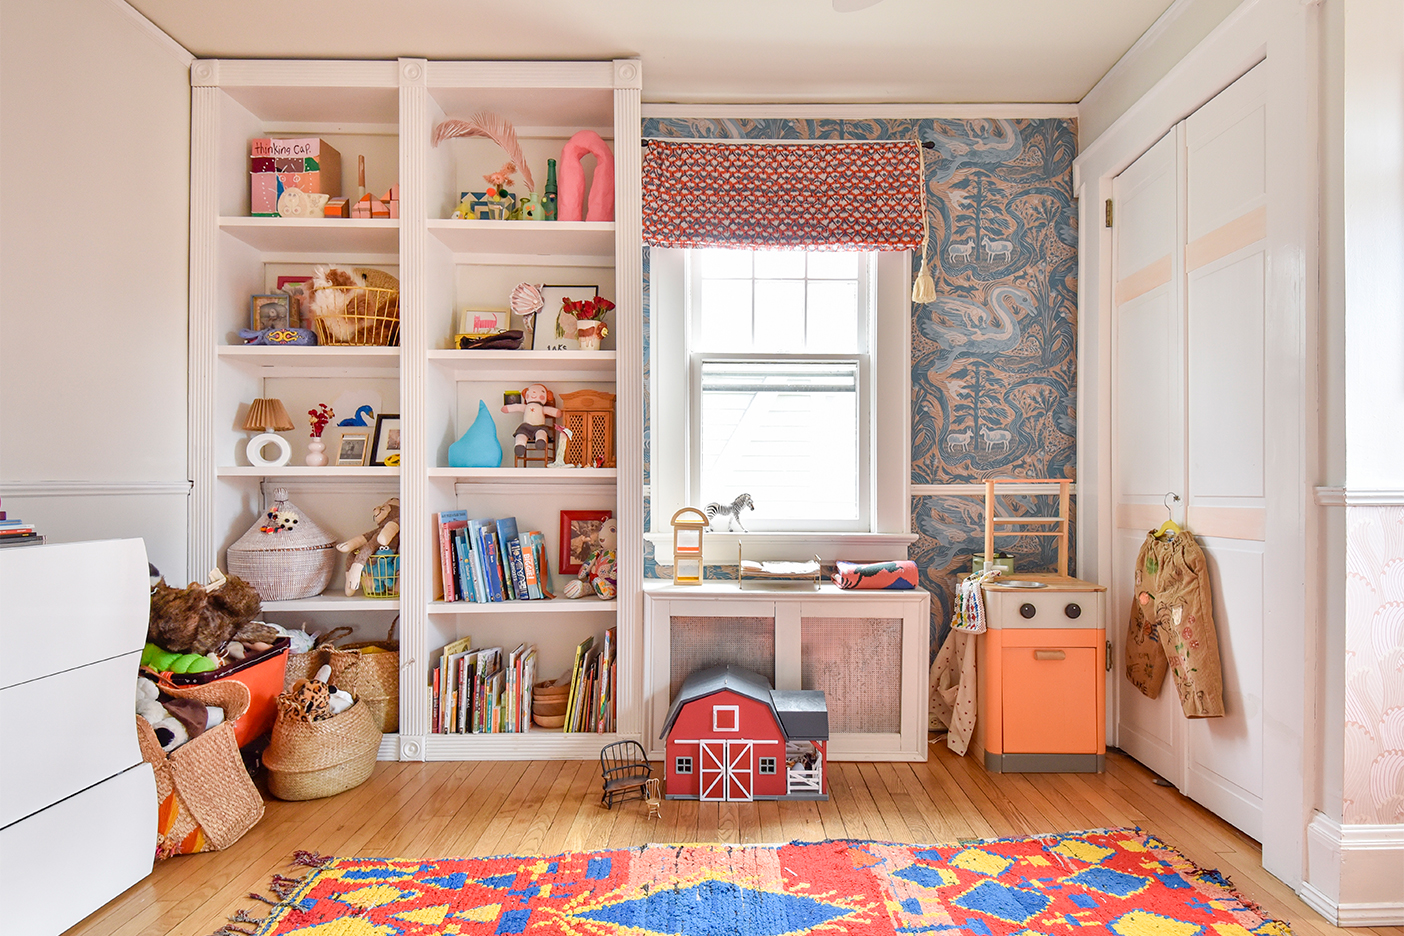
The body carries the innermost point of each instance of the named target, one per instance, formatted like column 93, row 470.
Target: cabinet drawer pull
column 1050, row 655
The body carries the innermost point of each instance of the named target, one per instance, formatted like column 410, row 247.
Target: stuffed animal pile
column 174, row 720
column 201, row 619
column 316, row 699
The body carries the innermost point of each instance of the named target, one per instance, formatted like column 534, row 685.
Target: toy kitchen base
column 1041, row 705
column 731, row 738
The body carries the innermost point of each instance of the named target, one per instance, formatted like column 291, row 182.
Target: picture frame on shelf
column 580, row 530
column 270, row 310
column 385, row 443
column 297, row 288
column 554, row 330
column 353, row 449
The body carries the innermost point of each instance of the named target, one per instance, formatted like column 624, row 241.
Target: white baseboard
column 1355, row 873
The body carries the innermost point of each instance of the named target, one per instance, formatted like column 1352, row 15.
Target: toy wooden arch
column 688, row 524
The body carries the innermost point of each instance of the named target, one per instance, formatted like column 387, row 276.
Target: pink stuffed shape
column 571, row 188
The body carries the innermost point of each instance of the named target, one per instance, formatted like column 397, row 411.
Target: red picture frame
column 578, row 529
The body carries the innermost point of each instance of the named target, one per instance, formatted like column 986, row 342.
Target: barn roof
column 801, row 714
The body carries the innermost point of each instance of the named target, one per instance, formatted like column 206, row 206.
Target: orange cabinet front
column 1050, row 699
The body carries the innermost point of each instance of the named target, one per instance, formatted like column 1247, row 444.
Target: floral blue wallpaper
column 994, row 355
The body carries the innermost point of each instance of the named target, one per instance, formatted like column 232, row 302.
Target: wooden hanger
column 1169, row 528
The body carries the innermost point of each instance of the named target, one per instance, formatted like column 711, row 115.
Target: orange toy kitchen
column 1041, row 703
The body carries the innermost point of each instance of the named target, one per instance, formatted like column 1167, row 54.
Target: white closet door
column 1149, row 414
column 1226, row 262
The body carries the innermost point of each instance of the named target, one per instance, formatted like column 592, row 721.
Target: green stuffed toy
column 164, row 661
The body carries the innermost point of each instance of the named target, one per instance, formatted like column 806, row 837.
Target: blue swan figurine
column 360, row 418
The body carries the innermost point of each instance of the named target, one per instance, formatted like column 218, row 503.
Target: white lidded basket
column 285, row 554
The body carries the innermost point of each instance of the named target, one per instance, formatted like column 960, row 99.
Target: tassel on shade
column 267, row 415
column 923, row 287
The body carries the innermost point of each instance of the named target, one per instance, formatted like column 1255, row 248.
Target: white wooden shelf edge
column 368, row 235
column 584, row 475
column 333, row 602
column 537, row 744
column 583, row 238
column 314, row 356
column 302, row 471
column 538, row 606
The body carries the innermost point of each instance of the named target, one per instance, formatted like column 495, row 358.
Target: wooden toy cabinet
column 1041, row 704
column 387, row 111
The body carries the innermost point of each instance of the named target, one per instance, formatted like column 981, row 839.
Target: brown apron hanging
column 1172, row 626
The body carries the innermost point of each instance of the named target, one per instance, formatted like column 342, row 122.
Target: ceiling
column 735, row 51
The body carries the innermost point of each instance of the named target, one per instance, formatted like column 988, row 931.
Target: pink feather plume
column 493, row 127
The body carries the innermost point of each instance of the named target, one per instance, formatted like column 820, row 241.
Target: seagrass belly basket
column 285, row 554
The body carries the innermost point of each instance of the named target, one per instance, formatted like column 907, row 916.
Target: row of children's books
column 488, row 560
column 591, row 703
column 483, row 691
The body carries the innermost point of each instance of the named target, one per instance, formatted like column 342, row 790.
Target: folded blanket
column 899, row 574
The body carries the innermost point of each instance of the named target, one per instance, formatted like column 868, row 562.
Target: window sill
column 722, row 548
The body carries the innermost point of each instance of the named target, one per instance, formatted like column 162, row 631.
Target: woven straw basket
column 309, row 760
column 295, row 563
column 204, row 796
column 305, row 665
column 374, row 678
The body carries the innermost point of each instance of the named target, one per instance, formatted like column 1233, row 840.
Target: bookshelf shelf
column 316, row 235
column 537, row 744
column 543, row 366
column 319, row 357
column 525, row 238
column 329, row 601
column 302, row 471
column 530, row 475
column 548, row 606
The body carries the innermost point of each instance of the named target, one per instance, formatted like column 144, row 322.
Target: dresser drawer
column 66, row 732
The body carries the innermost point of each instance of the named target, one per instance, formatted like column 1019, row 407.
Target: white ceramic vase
column 316, row 453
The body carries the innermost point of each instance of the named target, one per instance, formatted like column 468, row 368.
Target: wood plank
column 897, row 828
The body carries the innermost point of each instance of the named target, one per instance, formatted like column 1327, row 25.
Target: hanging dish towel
column 1172, row 626
column 969, row 612
column 953, row 689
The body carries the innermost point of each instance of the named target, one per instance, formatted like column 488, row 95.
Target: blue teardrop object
column 478, row 448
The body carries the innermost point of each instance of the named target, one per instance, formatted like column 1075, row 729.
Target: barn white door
column 740, row 771
column 1193, row 412
column 712, row 771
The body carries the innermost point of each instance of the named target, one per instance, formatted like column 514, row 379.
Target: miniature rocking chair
column 624, row 770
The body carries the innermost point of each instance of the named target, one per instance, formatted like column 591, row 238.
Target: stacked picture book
column 488, row 560
column 18, row 533
column 482, row 691
column 591, row 705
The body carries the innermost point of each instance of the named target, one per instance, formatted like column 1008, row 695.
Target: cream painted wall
column 95, row 151
column 1178, row 30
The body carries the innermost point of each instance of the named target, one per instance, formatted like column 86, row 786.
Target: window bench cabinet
column 866, row 648
column 73, row 622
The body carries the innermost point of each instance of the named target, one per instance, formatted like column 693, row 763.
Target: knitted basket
column 309, row 760
column 374, row 678
column 205, row 798
column 282, row 563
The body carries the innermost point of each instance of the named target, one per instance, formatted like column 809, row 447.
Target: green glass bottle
column 550, row 192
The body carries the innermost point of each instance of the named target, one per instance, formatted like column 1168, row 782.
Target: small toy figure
column 536, row 404
column 599, row 571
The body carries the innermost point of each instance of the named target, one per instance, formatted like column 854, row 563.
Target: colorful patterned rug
column 1120, row 881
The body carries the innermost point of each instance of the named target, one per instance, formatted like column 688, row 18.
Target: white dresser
column 73, row 787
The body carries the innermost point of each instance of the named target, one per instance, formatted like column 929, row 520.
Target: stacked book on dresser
column 489, row 560
column 18, row 533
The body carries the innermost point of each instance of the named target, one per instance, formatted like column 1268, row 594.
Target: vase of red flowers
column 319, row 416
column 589, row 320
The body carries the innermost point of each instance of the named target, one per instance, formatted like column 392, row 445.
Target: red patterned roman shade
column 834, row 196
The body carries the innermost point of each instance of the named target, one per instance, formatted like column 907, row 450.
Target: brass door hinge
column 1109, row 212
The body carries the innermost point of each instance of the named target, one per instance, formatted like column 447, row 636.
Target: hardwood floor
column 547, row 807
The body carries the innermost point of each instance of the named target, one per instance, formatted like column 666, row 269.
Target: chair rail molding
column 1337, row 496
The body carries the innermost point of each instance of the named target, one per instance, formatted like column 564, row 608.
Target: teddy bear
column 175, row 720
column 202, row 618
column 599, row 573
column 385, row 535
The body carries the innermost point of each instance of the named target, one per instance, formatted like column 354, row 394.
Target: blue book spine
column 465, row 575
column 491, row 569
column 475, row 543
column 514, row 555
column 506, row 532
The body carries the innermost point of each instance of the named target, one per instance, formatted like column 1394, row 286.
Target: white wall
column 94, row 222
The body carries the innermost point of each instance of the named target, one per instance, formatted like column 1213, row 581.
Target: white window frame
column 887, row 407
column 735, row 711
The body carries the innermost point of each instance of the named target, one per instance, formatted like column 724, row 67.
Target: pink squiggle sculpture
column 571, row 196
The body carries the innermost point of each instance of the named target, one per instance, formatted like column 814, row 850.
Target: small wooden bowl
column 548, row 692
column 548, row 707
column 548, row 721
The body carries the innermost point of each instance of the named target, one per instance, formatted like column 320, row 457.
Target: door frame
column 1285, row 36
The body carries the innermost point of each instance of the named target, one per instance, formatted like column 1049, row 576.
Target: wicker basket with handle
column 303, row 665
column 312, row 759
column 204, row 796
column 373, row 677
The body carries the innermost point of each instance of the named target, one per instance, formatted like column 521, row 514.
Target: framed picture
column 270, row 310
column 298, row 290
column 354, row 448
column 555, row 332
column 385, row 445
column 580, row 530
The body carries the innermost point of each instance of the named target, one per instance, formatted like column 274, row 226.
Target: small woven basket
column 310, row 760
column 367, row 316
column 374, row 678
column 285, row 563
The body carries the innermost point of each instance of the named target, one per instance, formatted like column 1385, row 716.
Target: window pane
column 725, row 315
column 722, row 262
column 832, row 323
column 779, row 316
column 830, row 264
column 779, row 263
column 785, row 433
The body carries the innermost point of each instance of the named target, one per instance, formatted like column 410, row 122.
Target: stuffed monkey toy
column 385, row 534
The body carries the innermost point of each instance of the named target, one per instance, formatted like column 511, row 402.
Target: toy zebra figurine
column 731, row 513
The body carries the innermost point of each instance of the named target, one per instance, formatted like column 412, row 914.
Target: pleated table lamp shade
column 267, row 416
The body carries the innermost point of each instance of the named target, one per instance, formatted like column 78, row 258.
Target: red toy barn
column 732, row 737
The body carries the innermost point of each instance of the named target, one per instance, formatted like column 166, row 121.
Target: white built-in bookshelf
column 386, row 111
